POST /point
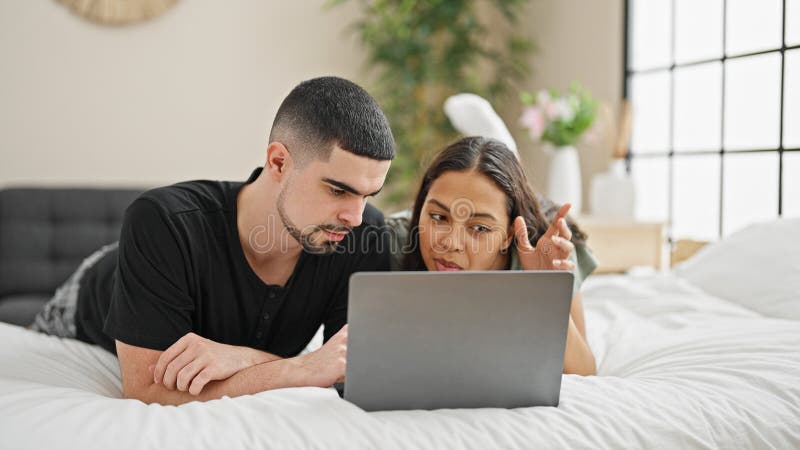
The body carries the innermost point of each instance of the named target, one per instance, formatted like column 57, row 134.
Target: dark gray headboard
column 46, row 232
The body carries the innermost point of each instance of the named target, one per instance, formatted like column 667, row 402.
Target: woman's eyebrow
column 473, row 215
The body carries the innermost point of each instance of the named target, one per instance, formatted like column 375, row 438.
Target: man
column 233, row 279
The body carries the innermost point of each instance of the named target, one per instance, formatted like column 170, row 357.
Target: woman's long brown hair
column 493, row 159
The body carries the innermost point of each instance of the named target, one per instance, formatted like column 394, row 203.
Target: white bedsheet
column 678, row 369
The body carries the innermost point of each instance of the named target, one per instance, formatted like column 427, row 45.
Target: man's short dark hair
column 327, row 111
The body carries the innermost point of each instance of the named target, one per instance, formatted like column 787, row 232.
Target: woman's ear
column 278, row 161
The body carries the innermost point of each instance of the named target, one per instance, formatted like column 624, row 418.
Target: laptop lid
column 428, row 340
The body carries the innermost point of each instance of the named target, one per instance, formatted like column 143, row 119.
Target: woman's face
column 464, row 224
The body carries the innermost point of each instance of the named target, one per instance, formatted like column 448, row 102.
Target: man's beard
column 312, row 240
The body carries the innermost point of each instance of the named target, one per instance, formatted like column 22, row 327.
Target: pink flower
column 533, row 119
column 547, row 105
column 543, row 97
column 551, row 111
column 563, row 110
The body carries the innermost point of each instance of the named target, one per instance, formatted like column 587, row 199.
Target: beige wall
column 188, row 95
column 192, row 93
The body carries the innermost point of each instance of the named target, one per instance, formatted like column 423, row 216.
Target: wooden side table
column 620, row 244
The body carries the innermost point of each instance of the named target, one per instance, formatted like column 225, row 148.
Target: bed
column 679, row 367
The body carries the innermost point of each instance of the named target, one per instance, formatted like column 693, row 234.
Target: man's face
column 322, row 201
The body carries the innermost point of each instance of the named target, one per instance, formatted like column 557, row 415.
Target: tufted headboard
column 44, row 235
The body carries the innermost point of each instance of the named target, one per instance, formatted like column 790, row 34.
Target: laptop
column 431, row 340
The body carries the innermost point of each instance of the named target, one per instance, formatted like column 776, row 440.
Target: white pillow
column 757, row 267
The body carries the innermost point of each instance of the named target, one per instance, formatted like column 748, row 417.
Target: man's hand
column 552, row 249
column 193, row 361
column 326, row 366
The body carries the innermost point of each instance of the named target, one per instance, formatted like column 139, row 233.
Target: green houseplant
column 421, row 52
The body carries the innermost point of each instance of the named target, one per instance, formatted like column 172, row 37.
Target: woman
column 476, row 211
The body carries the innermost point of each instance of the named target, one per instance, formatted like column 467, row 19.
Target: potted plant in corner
column 559, row 120
column 419, row 53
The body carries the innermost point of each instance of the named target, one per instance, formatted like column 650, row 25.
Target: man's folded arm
column 137, row 378
column 321, row 368
column 193, row 361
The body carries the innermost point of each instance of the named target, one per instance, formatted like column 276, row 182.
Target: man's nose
column 352, row 213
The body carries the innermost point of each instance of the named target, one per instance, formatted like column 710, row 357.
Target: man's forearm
column 260, row 357
column 275, row 374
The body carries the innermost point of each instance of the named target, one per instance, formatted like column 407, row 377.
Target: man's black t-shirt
column 180, row 268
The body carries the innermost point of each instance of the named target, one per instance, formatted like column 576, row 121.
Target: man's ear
column 279, row 161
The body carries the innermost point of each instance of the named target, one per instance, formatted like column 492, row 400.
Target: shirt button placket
column 265, row 317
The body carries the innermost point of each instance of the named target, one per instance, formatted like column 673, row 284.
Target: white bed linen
column 678, row 369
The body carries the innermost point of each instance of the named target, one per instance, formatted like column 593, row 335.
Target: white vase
column 564, row 178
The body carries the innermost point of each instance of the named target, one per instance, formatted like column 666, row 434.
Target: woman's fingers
column 563, row 264
column 563, row 244
column 564, row 229
column 555, row 226
column 521, row 234
column 562, row 212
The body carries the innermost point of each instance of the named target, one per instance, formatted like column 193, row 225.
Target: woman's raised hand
column 552, row 249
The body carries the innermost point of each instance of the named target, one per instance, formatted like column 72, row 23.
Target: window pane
column 698, row 107
column 650, row 34
column 750, row 190
column 695, row 197
column 650, row 98
column 791, row 184
column 791, row 99
column 752, row 102
column 792, row 22
column 651, row 177
column 698, row 30
column 753, row 25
